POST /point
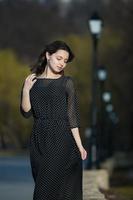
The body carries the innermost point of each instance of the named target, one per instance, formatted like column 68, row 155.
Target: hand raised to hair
column 29, row 82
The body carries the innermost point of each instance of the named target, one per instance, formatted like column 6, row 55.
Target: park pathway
column 92, row 180
column 16, row 182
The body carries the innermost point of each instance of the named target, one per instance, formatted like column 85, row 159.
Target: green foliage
column 126, row 191
column 117, row 57
column 12, row 73
column 109, row 42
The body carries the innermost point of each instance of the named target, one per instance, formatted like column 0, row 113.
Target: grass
column 126, row 191
column 13, row 153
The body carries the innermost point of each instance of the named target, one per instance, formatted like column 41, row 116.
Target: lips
column 60, row 68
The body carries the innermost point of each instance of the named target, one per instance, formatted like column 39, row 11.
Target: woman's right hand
column 29, row 82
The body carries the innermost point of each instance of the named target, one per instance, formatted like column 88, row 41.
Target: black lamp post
column 108, row 134
column 95, row 26
column 102, row 76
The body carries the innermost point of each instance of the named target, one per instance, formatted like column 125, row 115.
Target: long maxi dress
column 55, row 159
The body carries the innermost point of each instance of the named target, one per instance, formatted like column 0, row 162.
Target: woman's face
column 58, row 60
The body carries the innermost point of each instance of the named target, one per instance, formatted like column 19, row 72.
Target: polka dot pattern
column 56, row 162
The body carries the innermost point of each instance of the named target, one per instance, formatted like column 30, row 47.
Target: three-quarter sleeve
column 24, row 114
column 72, row 104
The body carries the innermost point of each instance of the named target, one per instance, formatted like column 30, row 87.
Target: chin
column 58, row 70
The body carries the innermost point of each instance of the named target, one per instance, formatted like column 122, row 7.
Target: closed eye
column 60, row 58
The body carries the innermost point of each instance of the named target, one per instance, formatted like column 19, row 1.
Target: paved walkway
column 16, row 182
column 24, row 191
column 92, row 180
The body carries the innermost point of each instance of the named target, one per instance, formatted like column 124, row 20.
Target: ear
column 47, row 55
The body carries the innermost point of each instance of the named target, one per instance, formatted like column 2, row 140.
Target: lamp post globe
column 107, row 96
column 102, row 73
column 95, row 25
column 109, row 108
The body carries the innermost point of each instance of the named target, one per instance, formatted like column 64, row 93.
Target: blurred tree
column 29, row 25
column 13, row 128
column 120, row 67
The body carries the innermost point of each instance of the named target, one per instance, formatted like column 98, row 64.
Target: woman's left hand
column 83, row 153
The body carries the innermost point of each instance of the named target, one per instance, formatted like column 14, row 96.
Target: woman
column 56, row 150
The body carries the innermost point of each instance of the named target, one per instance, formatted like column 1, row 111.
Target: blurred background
column 25, row 27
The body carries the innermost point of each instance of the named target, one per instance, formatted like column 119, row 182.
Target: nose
column 61, row 63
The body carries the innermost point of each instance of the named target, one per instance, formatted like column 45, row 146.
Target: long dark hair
column 51, row 48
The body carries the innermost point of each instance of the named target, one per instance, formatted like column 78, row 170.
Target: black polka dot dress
column 55, row 158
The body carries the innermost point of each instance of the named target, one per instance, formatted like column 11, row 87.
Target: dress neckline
column 49, row 78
